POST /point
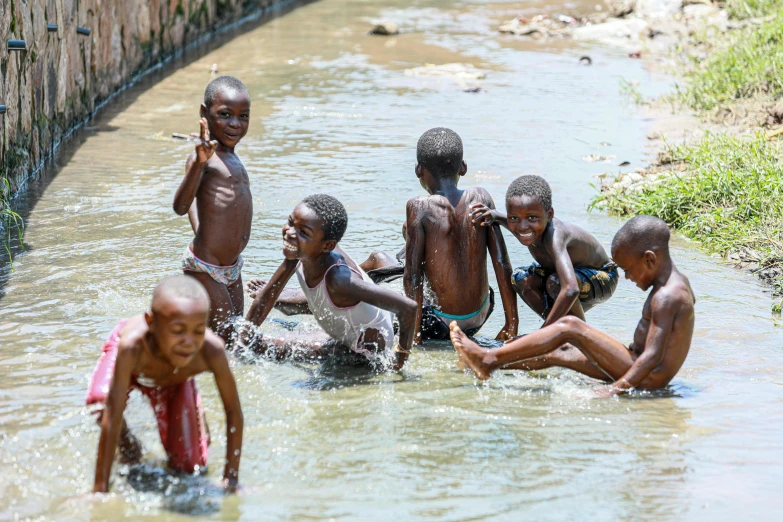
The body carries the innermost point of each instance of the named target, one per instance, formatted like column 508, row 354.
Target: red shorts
column 177, row 409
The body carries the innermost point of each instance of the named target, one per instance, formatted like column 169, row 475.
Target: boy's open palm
column 204, row 147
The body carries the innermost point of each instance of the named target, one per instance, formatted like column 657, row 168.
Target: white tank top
column 347, row 325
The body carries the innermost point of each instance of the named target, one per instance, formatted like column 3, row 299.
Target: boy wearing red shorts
column 159, row 352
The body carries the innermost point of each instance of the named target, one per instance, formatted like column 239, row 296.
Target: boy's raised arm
column 413, row 279
column 111, row 418
column 502, row 266
column 215, row 355
column 664, row 311
column 193, row 169
column 569, row 285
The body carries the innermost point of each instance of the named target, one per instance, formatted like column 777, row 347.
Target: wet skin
column 662, row 338
column 303, row 241
column 215, row 193
column 169, row 345
column 555, row 245
column 447, row 251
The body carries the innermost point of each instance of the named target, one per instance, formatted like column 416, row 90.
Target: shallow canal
column 333, row 111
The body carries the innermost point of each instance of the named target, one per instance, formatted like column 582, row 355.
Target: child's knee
column 528, row 286
column 553, row 285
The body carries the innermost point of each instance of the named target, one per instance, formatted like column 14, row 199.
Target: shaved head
column 642, row 233
column 178, row 287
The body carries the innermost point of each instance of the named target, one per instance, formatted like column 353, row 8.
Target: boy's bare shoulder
column 421, row 206
column 213, row 345
column 133, row 337
column 676, row 295
column 479, row 195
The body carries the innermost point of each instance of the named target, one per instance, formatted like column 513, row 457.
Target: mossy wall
column 62, row 76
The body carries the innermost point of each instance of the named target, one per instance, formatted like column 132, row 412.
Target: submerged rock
column 456, row 71
column 385, row 29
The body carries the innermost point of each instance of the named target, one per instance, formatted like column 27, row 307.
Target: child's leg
column 531, row 289
column 236, row 292
column 553, row 289
column 605, row 351
column 378, row 259
column 221, row 306
column 129, row 446
column 311, row 345
column 567, row 356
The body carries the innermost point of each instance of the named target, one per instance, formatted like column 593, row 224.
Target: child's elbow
column 571, row 292
column 180, row 209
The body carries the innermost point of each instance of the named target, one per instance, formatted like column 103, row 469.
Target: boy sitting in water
column 661, row 340
column 354, row 312
column 571, row 273
column 159, row 352
column 448, row 250
column 215, row 193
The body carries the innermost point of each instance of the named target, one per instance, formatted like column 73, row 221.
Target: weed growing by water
column 9, row 220
column 746, row 64
column 728, row 194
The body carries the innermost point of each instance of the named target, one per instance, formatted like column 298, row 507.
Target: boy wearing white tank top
column 354, row 313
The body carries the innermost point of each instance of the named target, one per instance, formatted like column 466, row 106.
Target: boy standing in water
column 661, row 340
column 447, row 249
column 215, row 194
column 354, row 312
column 159, row 353
column 571, row 273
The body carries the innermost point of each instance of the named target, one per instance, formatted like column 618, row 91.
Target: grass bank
column 724, row 190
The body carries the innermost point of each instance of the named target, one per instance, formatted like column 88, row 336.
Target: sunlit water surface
column 333, row 111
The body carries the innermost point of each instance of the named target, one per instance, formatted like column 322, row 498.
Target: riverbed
column 333, row 111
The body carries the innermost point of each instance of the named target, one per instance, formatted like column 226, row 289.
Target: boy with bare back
column 445, row 248
column 215, row 194
column 158, row 353
column 660, row 343
column 571, row 272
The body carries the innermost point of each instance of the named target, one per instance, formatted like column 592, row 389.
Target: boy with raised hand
column 159, row 352
column 571, row 272
column 354, row 313
column 660, row 343
column 447, row 252
column 215, row 194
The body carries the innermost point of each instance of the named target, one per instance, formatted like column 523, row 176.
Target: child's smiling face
column 228, row 116
column 303, row 235
column 527, row 218
column 179, row 325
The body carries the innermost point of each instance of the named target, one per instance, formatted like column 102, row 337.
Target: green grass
column 742, row 9
column 728, row 195
column 747, row 63
column 10, row 221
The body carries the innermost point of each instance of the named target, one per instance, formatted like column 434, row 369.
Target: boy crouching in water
column 354, row 312
column 215, row 194
column 571, row 272
column 447, row 251
column 159, row 353
column 661, row 340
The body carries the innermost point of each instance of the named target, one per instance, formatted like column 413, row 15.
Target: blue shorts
column 596, row 285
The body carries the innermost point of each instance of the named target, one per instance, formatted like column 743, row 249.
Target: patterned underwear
column 225, row 275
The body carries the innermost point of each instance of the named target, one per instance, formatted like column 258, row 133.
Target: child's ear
column 550, row 214
column 203, row 111
column 149, row 318
column 329, row 245
column 463, row 169
column 419, row 171
column 650, row 258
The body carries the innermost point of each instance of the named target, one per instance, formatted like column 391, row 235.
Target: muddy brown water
column 333, row 111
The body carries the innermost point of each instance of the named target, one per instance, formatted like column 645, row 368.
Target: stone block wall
column 62, row 76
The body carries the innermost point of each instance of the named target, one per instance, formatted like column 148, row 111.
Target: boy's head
column 178, row 318
column 529, row 208
column 641, row 249
column 315, row 226
column 439, row 157
column 227, row 110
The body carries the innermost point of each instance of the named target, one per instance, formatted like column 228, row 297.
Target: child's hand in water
column 482, row 214
column 204, row 147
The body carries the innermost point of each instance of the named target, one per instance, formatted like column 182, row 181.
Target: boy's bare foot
column 254, row 286
column 469, row 352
